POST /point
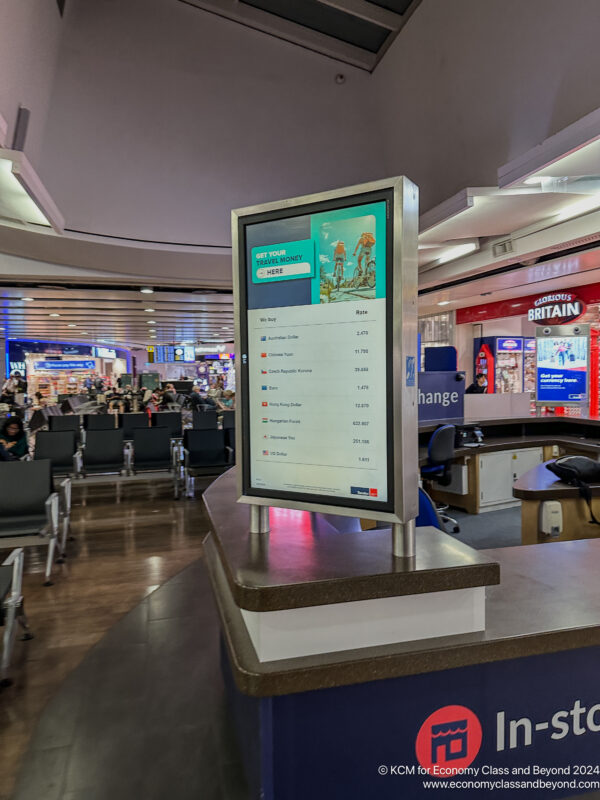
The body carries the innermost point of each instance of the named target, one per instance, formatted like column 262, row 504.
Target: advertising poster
column 317, row 373
column 562, row 367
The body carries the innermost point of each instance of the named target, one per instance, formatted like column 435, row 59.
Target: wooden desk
column 554, row 436
column 538, row 485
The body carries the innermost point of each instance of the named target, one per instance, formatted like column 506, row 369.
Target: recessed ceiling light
column 149, row 310
column 443, row 302
column 85, row 333
column 54, row 315
column 151, row 322
column 225, row 328
column 27, row 299
column 147, row 290
column 71, row 325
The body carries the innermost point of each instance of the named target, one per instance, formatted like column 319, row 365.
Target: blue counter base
column 333, row 744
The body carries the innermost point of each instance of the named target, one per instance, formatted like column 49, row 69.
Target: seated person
column 39, row 401
column 116, row 401
column 199, row 403
column 169, row 395
column 128, row 396
column 13, row 438
column 478, row 386
column 227, row 402
column 215, row 390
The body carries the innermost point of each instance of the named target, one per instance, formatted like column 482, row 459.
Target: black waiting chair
column 170, row 420
column 205, row 454
column 204, row 420
column 100, row 422
column 66, row 422
column 440, row 453
column 230, row 439
column 228, row 420
column 11, row 608
column 60, row 448
column 104, row 453
column 29, row 509
column 151, row 450
column 132, row 421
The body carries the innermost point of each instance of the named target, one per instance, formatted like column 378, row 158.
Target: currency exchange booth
column 367, row 663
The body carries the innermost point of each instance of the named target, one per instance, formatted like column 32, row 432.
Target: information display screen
column 561, row 369
column 167, row 354
column 315, row 299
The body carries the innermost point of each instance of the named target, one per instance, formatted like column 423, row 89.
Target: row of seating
column 128, row 422
column 150, row 449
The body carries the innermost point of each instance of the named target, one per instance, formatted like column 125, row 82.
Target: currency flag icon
column 263, row 355
column 265, row 404
column 265, row 452
column 265, row 419
column 263, row 338
column 264, row 388
column 263, row 372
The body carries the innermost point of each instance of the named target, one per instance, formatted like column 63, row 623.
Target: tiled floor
column 123, row 550
column 144, row 715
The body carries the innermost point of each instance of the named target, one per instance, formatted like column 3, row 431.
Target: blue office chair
column 428, row 513
column 440, row 453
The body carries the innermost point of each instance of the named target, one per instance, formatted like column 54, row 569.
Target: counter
column 486, row 482
column 539, row 485
column 322, row 725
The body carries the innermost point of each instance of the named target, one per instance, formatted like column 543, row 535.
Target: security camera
column 576, row 329
column 547, row 331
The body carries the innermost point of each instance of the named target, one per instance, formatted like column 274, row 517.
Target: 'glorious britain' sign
column 559, row 308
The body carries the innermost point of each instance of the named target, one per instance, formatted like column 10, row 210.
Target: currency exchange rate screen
column 316, row 366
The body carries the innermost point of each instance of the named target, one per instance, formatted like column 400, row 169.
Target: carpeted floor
column 492, row 529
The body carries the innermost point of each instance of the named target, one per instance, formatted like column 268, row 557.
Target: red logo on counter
column 373, row 492
column 449, row 740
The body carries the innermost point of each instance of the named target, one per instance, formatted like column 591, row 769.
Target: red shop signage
column 520, row 306
column 558, row 308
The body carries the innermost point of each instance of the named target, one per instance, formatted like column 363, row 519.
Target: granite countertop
column 314, row 559
column 548, row 601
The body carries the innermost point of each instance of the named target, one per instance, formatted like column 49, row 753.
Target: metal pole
column 404, row 539
column 259, row 519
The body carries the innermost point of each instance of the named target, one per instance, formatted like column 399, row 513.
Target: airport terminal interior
column 299, row 399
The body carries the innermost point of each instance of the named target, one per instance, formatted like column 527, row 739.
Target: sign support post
column 404, row 540
column 259, row 519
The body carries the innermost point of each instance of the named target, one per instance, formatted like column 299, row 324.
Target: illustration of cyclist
column 365, row 243
column 339, row 257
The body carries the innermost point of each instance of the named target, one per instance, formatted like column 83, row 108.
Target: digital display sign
column 562, row 368
column 65, row 365
column 315, row 291
column 105, row 352
column 167, row 354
